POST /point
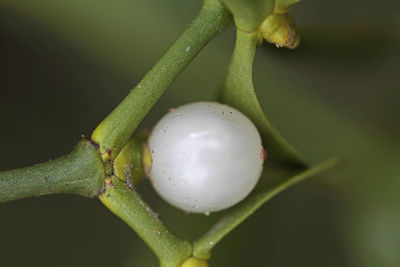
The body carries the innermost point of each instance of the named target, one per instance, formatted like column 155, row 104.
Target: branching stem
column 129, row 206
column 115, row 130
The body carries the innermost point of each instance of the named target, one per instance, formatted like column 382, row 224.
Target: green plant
column 107, row 164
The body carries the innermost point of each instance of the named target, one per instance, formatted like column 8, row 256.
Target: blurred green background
column 65, row 64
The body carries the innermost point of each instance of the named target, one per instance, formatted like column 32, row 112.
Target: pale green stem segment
column 129, row 206
column 249, row 15
column 80, row 172
column 128, row 165
column 238, row 91
column 263, row 193
column 115, row 130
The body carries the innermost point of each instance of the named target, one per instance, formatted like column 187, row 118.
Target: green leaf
column 238, row 91
column 129, row 206
column 273, row 182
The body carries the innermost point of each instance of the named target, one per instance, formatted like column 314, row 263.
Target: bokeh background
column 65, row 64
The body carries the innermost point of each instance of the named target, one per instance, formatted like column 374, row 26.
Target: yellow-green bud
column 280, row 30
column 128, row 165
column 195, row 262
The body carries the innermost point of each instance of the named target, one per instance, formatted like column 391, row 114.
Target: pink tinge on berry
column 264, row 154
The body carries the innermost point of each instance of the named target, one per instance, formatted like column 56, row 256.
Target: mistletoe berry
column 205, row 157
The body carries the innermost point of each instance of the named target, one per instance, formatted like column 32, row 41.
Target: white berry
column 206, row 157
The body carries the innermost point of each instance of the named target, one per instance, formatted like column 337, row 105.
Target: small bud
column 280, row 30
column 147, row 159
column 128, row 165
column 195, row 262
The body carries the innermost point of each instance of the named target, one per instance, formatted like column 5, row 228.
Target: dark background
column 64, row 65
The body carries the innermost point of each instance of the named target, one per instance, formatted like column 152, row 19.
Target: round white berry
column 206, row 157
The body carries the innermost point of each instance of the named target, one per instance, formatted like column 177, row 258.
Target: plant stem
column 80, row 172
column 113, row 132
column 128, row 205
column 263, row 193
column 238, row 91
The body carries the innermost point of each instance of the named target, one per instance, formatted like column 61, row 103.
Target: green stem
column 238, row 91
column 263, row 193
column 128, row 205
column 115, row 130
column 80, row 172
